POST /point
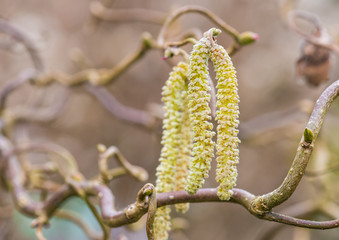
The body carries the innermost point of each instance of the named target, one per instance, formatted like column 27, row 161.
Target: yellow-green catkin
column 171, row 140
column 227, row 117
column 184, row 153
column 162, row 223
column 200, row 116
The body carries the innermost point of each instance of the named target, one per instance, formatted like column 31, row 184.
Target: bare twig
column 77, row 219
column 123, row 112
column 126, row 15
column 13, row 84
column 97, row 76
column 318, row 39
column 39, row 234
column 106, row 153
column 195, row 9
column 95, row 21
column 66, row 168
column 19, row 36
column 38, row 114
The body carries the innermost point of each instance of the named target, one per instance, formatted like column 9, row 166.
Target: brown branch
column 316, row 173
column 195, row 9
column 19, row 36
column 97, row 76
column 35, row 114
column 280, row 218
column 265, row 203
column 136, row 172
column 77, row 219
column 13, row 84
column 98, row 10
column 119, row 110
column 94, row 22
column 320, row 39
column 300, row 210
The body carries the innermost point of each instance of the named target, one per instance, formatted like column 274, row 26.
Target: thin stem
column 66, row 168
column 125, row 15
column 19, row 36
column 98, row 218
column 13, row 84
column 77, row 219
column 195, row 9
column 119, row 110
column 182, row 42
column 106, row 153
column 39, row 234
column 97, row 76
column 95, row 21
column 317, row 39
column 280, row 218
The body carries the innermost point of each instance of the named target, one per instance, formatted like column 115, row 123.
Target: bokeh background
column 273, row 106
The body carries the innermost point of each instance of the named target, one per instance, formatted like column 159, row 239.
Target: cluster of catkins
column 188, row 145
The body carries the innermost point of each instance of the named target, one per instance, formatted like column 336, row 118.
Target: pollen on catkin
column 162, row 223
column 172, row 93
column 200, row 116
column 185, row 147
column 227, row 118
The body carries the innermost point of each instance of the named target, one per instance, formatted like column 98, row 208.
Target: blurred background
column 274, row 108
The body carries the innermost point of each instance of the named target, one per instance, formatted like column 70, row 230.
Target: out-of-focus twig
column 40, row 114
column 126, row 15
column 77, row 219
column 97, row 76
column 317, row 39
column 277, row 121
column 302, row 209
column 13, row 84
column 132, row 115
column 94, row 21
column 315, row 61
column 240, row 39
column 106, row 153
column 123, row 112
column 66, row 167
column 197, row 9
column 316, row 173
column 39, row 234
column 19, row 36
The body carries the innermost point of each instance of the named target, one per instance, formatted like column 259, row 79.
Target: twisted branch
column 266, row 202
column 19, row 36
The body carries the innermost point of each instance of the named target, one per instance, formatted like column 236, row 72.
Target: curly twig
column 124, row 15
column 19, row 36
column 137, row 172
column 126, row 113
column 97, row 76
column 197, row 9
column 75, row 218
column 13, row 84
column 320, row 38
